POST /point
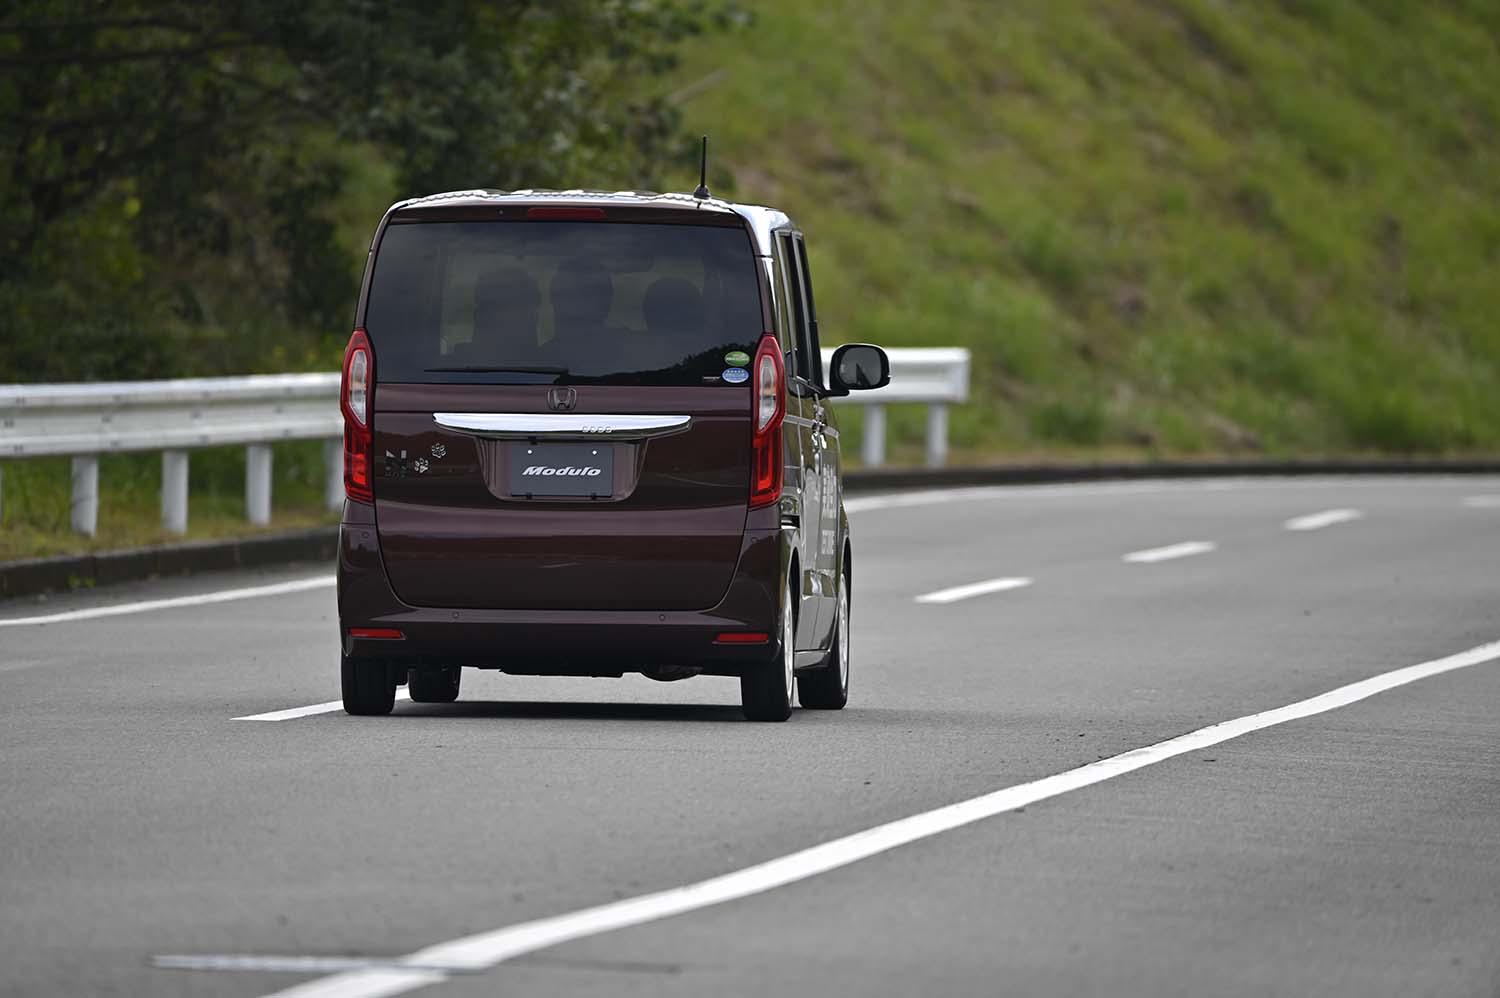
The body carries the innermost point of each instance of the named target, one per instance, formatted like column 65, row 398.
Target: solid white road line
column 1169, row 552
column 1482, row 502
column 487, row 949
column 972, row 589
column 292, row 713
column 288, row 964
column 1327, row 518
column 200, row 599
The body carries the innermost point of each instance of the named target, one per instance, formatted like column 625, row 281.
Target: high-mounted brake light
column 770, row 408
column 581, row 214
column 356, row 396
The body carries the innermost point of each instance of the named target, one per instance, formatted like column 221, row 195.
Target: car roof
column 763, row 221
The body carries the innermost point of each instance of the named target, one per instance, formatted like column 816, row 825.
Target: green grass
column 34, row 504
column 1165, row 228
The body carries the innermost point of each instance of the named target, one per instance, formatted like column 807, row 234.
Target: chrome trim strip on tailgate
column 589, row 426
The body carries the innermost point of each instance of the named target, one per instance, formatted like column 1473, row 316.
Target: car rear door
column 506, row 484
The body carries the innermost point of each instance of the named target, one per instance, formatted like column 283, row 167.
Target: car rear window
column 561, row 302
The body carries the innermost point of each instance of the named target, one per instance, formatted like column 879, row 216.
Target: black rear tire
column 369, row 687
column 766, row 693
column 434, row 685
column 826, row 687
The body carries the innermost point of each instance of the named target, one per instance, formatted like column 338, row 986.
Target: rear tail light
column 355, row 397
column 770, row 408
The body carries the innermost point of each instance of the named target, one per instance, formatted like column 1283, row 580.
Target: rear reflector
column 742, row 638
column 379, row 633
column 566, row 213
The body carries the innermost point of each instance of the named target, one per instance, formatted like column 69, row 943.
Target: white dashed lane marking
column 292, row 713
column 1183, row 550
column 1327, row 518
column 973, row 589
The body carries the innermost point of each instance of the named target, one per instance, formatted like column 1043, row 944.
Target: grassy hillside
column 1164, row 226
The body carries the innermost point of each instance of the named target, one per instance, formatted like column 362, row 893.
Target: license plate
column 562, row 470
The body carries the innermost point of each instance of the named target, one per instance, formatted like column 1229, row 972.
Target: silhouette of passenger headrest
column 582, row 295
column 504, row 289
column 507, row 304
column 673, row 306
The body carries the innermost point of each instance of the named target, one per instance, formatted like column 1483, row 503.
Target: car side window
column 807, row 367
column 785, row 310
column 810, row 326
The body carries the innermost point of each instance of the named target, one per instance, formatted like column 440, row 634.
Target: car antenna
column 702, row 192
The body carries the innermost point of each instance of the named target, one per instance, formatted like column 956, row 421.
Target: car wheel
column 369, row 687
column 434, row 685
column 827, row 686
column 766, row 693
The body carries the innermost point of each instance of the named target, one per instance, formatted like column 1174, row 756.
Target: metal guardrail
column 937, row 376
column 83, row 421
column 86, row 420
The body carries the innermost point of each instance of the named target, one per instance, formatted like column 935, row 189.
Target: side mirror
column 859, row 367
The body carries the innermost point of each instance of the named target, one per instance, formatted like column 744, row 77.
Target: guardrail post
column 174, row 491
column 86, row 494
column 258, row 484
column 872, row 448
column 937, row 435
column 333, row 469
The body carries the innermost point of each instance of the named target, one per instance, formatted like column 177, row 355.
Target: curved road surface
column 1347, row 846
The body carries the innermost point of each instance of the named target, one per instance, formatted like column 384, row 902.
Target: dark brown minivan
column 589, row 434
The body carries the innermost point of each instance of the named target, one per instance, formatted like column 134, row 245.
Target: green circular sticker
column 736, row 358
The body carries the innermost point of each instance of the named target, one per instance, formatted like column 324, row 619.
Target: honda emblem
column 562, row 399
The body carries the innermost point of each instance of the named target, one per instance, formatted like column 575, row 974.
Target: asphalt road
column 1355, row 851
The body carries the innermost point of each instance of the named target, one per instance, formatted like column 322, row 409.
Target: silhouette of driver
column 675, row 321
column 507, row 305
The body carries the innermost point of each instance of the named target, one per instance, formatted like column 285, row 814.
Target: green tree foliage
column 174, row 171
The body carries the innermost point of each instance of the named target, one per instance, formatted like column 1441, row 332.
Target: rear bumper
column 558, row 642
